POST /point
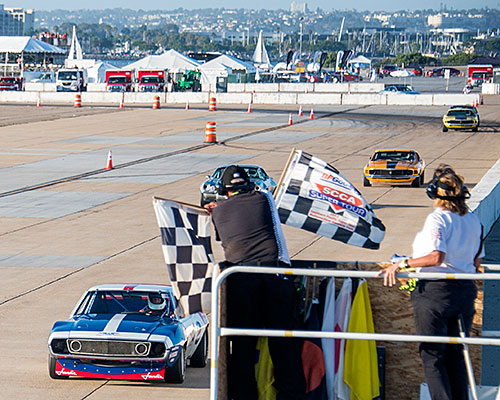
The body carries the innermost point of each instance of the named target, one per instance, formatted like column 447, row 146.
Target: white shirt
column 459, row 237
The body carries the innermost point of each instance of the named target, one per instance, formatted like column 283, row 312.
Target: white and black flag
column 315, row 197
column 185, row 238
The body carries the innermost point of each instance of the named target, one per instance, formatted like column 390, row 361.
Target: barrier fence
column 217, row 331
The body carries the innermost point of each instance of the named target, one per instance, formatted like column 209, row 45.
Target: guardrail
column 218, row 331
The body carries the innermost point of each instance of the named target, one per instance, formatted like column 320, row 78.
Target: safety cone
column 301, row 113
column 212, row 105
column 78, row 100
column 481, row 100
column 311, row 115
column 249, row 108
column 210, row 136
column 121, row 103
column 109, row 163
column 187, row 105
column 156, row 103
column 290, row 122
column 38, row 103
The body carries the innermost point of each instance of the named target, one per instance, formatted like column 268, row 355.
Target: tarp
column 226, row 62
column 171, row 60
column 27, row 44
column 485, row 60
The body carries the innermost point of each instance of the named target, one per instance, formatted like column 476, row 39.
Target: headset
column 435, row 183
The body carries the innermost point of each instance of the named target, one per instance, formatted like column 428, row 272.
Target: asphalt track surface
column 68, row 224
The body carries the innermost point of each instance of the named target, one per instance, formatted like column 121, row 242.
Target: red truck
column 118, row 80
column 151, row 80
column 11, row 83
column 479, row 74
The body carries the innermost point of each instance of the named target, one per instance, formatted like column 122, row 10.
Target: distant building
column 435, row 20
column 16, row 21
column 297, row 7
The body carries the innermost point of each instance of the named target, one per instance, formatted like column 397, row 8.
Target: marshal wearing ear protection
column 432, row 188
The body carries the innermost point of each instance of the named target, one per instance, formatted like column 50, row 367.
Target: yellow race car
column 394, row 167
column 461, row 118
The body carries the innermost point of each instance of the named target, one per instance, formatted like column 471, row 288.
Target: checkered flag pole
column 185, row 238
column 315, row 197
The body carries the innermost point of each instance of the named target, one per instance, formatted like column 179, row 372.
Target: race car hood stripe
column 114, row 323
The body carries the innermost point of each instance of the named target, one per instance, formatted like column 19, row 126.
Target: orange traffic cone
column 210, row 136
column 249, row 108
column 301, row 113
column 38, row 103
column 311, row 115
column 290, row 122
column 78, row 100
column 121, row 103
column 156, row 103
column 481, row 100
column 212, row 105
column 187, row 105
column 109, row 163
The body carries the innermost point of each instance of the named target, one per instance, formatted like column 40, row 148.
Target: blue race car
column 257, row 175
column 128, row 332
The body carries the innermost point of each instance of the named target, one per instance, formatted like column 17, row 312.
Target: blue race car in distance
column 128, row 332
column 399, row 89
column 210, row 187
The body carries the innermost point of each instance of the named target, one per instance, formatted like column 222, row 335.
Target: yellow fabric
column 264, row 371
column 360, row 366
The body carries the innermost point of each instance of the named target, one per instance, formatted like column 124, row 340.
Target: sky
column 327, row 5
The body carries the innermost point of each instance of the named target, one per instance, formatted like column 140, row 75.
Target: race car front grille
column 112, row 348
column 461, row 122
column 396, row 173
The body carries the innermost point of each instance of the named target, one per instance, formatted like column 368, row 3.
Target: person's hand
column 390, row 274
column 210, row 206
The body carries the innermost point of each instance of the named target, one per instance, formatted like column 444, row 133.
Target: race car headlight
column 157, row 350
column 59, row 346
column 211, row 188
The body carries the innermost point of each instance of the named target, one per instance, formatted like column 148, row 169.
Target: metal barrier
column 217, row 331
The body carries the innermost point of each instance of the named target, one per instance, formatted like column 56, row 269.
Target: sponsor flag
column 185, row 238
column 342, row 315
column 315, row 197
column 329, row 344
column 361, row 363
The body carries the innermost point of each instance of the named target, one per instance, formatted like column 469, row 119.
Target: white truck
column 71, row 80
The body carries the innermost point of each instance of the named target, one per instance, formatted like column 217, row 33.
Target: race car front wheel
column 200, row 355
column 366, row 182
column 445, row 129
column 52, row 369
column 177, row 372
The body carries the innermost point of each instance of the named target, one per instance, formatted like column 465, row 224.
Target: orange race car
column 394, row 167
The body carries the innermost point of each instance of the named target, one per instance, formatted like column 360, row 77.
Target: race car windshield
column 460, row 113
column 394, row 155
column 119, row 301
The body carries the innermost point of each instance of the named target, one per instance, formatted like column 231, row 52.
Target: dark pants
column 263, row 301
column 437, row 306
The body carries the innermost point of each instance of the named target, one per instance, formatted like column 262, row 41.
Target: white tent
column 260, row 55
column 171, row 60
column 27, row 44
column 97, row 72
column 222, row 66
column 360, row 60
column 228, row 62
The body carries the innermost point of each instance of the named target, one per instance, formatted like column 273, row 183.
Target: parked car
column 394, row 167
column 401, row 73
column 127, row 331
column 210, row 187
column 10, row 83
column 399, row 89
column 460, row 118
column 415, row 68
column 387, row 69
column 441, row 72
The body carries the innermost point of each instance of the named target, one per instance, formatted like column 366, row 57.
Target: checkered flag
column 185, row 238
column 315, row 197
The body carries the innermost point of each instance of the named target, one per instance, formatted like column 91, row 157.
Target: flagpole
column 181, row 203
column 282, row 177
